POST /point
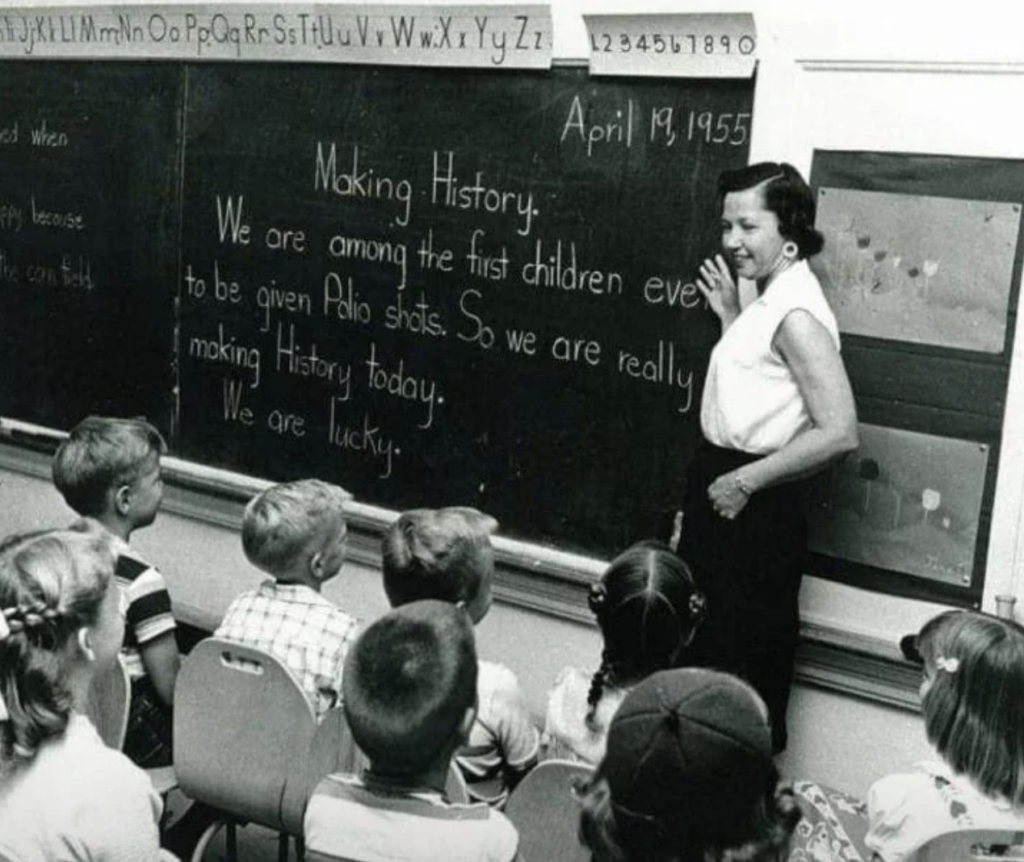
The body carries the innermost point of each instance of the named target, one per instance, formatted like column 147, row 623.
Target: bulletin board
column 921, row 266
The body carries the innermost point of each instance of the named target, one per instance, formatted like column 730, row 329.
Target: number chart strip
column 699, row 46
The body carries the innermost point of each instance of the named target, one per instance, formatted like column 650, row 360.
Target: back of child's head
column 974, row 703
column 52, row 583
column 688, row 775
column 442, row 554
column 284, row 522
column 102, row 453
column 409, row 680
column 648, row 608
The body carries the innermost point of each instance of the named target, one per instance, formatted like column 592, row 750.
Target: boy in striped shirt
column 108, row 470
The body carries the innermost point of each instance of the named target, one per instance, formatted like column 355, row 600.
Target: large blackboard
column 88, row 181
column 430, row 286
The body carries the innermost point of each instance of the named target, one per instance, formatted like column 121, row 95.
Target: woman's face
column 750, row 234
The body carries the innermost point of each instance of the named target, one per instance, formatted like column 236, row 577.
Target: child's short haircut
column 281, row 521
column 974, row 707
column 408, row 681
column 436, row 554
column 102, row 453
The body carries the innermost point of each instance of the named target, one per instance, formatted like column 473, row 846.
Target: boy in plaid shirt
column 296, row 533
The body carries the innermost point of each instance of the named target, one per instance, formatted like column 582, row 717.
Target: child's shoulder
column 413, row 826
column 915, row 788
column 492, row 676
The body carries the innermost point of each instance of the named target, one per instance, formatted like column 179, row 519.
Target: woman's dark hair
column 786, row 194
column 760, row 834
column 648, row 608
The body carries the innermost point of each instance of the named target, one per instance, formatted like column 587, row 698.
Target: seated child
column 63, row 793
column 688, row 775
column 108, row 470
column 647, row 608
column 974, row 717
column 409, row 696
column 446, row 554
column 296, row 533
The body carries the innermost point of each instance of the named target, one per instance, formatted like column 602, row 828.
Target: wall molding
column 923, row 67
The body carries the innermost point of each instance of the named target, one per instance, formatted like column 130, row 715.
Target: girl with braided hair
column 63, row 794
column 648, row 609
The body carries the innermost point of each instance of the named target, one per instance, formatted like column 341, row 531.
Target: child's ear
column 123, row 499
column 316, row 565
column 466, row 725
column 85, row 644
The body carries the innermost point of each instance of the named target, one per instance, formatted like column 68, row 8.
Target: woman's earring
column 790, row 249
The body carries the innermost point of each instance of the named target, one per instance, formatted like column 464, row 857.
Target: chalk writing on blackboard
column 430, row 301
column 431, row 286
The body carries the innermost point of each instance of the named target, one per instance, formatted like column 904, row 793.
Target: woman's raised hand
column 719, row 288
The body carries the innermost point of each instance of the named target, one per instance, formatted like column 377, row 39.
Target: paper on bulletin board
column 708, row 45
column 491, row 37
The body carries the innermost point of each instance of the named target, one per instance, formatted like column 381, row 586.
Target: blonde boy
column 446, row 554
column 108, row 470
column 296, row 532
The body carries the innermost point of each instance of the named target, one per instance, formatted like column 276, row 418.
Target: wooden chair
column 544, row 808
column 244, row 736
column 973, row 845
column 110, row 696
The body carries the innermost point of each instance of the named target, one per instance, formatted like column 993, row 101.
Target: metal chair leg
column 205, row 839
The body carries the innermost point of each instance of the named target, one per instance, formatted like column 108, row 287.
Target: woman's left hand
column 727, row 498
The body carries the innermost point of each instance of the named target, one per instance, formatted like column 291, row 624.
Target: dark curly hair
column 786, row 194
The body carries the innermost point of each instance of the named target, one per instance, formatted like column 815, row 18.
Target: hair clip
column 698, row 606
column 949, row 665
column 597, row 597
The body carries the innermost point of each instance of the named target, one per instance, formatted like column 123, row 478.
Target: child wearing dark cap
column 409, row 693
column 688, row 774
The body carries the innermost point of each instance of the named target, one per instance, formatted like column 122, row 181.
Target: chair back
column 110, row 695
column 243, row 732
column 973, row 845
column 332, row 750
column 544, row 808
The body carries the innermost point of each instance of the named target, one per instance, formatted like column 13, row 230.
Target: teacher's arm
column 808, row 350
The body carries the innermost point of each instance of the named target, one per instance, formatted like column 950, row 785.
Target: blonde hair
column 52, row 583
column 102, row 453
column 281, row 522
column 436, row 554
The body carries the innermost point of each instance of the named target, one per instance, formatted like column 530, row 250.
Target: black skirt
column 750, row 570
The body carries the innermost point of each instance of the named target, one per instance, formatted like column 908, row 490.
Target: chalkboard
column 433, row 286
column 88, row 183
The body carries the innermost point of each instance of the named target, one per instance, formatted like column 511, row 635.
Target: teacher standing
column 777, row 407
